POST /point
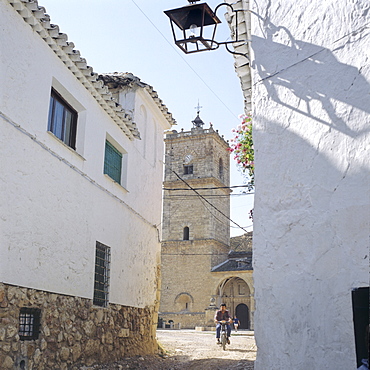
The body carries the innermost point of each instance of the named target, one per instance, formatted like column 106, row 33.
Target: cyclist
column 223, row 315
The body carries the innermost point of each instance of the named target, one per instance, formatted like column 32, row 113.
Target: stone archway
column 235, row 292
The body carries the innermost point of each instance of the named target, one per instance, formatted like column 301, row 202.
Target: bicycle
column 223, row 335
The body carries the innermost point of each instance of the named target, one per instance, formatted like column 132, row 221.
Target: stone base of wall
column 186, row 320
column 73, row 332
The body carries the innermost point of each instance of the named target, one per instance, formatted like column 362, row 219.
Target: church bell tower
column 195, row 226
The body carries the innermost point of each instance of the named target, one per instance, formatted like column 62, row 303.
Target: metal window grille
column 188, row 170
column 29, row 323
column 112, row 162
column 102, row 274
column 62, row 121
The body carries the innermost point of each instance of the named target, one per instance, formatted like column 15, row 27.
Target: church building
column 199, row 268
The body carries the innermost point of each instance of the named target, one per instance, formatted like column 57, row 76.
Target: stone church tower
column 195, row 231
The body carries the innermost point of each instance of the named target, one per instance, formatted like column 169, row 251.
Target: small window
column 113, row 162
column 186, row 233
column 220, row 168
column 102, row 274
column 188, row 170
column 29, row 323
column 184, row 302
column 241, row 289
column 62, row 120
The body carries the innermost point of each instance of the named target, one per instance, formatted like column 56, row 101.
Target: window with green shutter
column 113, row 162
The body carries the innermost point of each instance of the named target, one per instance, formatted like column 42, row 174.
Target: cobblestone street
column 190, row 349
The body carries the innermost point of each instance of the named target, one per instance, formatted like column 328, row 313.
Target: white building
column 80, row 201
column 309, row 75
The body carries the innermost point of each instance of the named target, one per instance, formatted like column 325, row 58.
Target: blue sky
column 135, row 36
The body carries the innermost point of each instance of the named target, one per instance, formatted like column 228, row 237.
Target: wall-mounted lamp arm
column 236, row 11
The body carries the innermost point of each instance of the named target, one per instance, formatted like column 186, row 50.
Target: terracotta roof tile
column 119, row 79
column 39, row 21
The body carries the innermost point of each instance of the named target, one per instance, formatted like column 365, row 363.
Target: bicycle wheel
column 223, row 341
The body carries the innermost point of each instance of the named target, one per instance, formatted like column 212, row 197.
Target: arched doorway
column 236, row 294
column 242, row 313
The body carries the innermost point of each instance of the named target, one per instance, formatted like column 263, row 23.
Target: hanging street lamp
column 194, row 27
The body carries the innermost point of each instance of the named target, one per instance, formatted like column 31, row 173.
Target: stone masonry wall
column 73, row 332
column 186, row 320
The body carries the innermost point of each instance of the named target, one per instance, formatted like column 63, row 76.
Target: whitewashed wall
column 311, row 105
column 55, row 202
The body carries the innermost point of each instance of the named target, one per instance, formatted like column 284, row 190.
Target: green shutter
column 112, row 162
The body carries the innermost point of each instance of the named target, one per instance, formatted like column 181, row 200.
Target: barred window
column 102, row 274
column 113, row 162
column 62, row 120
column 29, row 323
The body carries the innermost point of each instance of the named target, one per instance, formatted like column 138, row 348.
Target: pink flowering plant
column 241, row 145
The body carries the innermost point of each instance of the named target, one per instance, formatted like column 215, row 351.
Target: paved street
column 193, row 350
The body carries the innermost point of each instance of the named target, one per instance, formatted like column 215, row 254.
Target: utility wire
column 185, row 61
column 180, row 196
column 201, row 196
column 216, row 187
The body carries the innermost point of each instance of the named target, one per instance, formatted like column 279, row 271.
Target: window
column 113, row 162
column 184, row 302
column 62, row 120
column 188, row 169
column 102, row 272
column 186, row 233
column 29, row 323
column 220, row 168
column 241, row 289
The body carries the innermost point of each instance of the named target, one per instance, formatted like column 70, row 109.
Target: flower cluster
column 241, row 145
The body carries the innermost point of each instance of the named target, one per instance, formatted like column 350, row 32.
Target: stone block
column 60, row 337
column 7, row 363
column 108, row 337
column 2, row 334
column 11, row 331
column 37, row 356
column 124, row 333
column 44, row 344
column 6, row 347
column 2, row 293
column 76, row 352
column 64, row 354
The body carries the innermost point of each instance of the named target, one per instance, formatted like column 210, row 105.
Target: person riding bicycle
column 223, row 315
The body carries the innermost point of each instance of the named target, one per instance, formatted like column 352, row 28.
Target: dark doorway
column 360, row 305
column 242, row 313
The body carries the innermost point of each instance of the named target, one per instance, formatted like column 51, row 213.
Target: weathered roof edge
column 127, row 79
column 242, row 64
column 39, row 21
column 214, row 268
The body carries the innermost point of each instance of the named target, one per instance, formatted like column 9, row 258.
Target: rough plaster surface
column 311, row 105
column 56, row 202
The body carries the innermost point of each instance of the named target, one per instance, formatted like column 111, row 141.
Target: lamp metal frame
column 182, row 18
